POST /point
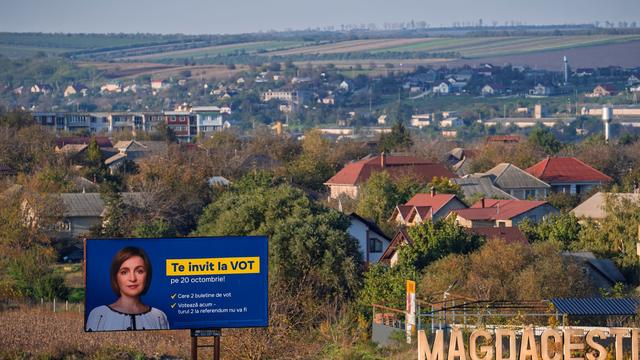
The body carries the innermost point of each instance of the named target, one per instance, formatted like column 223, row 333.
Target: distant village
column 339, row 105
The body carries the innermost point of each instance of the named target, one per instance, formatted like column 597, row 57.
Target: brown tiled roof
column 566, row 170
column 498, row 209
column 401, row 237
column 397, row 166
column 102, row 141
column 436, row 202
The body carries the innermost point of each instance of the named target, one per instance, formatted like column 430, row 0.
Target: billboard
column 176, row 283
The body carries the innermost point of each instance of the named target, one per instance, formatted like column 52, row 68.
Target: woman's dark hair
column 123, row 255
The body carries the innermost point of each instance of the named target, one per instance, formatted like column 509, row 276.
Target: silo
column 607, row 117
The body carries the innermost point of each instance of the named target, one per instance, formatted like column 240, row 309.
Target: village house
column 517, row 182
column 75, row 90
column 345, row 85
column 157, row 84
column 490, row 90
column 541, row 90
column 421, row 120
column 422, row 207
column 594, row 208
column 474, row 187
column 452, row 122
column 347, row 181
column 568, row 175
column 602, row 90
column 110, row 88
column 372, row 241
column 460, row 160
column 84, row 211
column 502, row 213
column 443, row 88
column 41, row 89
column 289, row 96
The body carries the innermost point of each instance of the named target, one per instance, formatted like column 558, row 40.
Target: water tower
column 607, row 116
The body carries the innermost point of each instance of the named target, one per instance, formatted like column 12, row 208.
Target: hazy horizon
column 246, row 16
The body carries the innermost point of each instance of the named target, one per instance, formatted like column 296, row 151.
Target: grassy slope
column 249, row 48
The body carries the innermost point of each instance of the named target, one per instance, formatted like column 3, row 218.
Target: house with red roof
column 423, row 207
column 502, row 213
column 568, row 175
column 348, row 180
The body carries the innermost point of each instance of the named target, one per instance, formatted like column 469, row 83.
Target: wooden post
column 216, row 349
column 194, row 347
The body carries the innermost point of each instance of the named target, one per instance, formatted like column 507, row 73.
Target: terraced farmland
column 467, row 47
column 211, row 51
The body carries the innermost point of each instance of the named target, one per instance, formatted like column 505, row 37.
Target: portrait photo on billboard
column 176, row 283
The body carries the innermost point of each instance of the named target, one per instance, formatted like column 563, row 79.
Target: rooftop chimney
column 433, row 191
column 382, row 162
column 482, row 203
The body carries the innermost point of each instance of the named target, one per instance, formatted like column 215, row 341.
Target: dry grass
column 34, row 332
column 124, row 70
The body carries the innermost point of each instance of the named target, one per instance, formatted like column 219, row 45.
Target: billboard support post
column 196, row 333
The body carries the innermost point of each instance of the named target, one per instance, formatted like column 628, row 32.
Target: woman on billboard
column 130, row 276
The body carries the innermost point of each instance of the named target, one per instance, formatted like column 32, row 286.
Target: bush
column 32, row 276
column 76, row 295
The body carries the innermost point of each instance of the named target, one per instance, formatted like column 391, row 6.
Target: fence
column 56, row 305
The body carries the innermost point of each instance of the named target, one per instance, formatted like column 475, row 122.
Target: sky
column 243, row 16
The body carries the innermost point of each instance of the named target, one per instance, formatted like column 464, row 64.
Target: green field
column 489, row 46
column 16, row 51
column 212, row 51
column 82, row 41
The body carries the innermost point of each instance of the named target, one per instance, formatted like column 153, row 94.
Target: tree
column 398, row 139
column 308, row 243
column 26, row 256
column 545, row 139
column 313, row 167
column 513, row 271
column 166, row 133
column 384, row 285
column 175, row 188
column 157, row 228
column 615, row 236
column 94, row 154
column 523, row 155
column 115, row 222
column 561, row 229
column 444, row 185
column 377, row 199
column 16, row 119
column 432, row 241
column 563, row 201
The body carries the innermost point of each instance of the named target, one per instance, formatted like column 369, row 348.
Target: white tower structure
column 607, row 116
column 566, row 70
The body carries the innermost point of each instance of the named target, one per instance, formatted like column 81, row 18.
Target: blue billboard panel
column 176, row 283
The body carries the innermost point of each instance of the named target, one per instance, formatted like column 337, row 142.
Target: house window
column 375, row 245
column 529, row 194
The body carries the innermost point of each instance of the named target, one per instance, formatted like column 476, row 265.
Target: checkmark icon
column 173, row 305
column 173, row 296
